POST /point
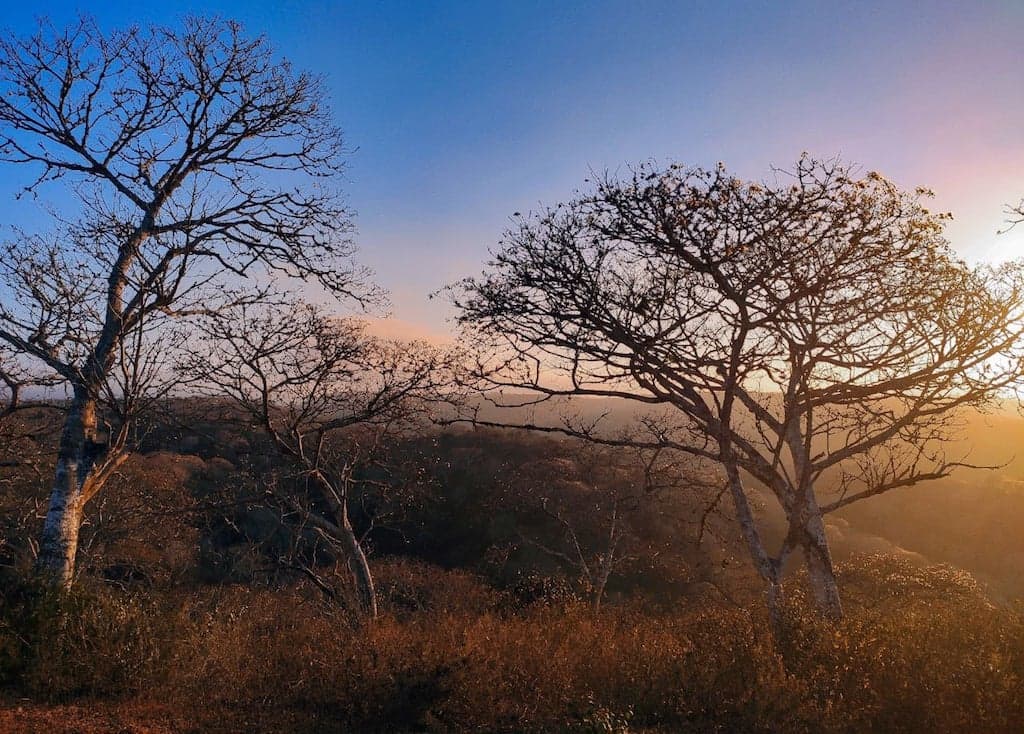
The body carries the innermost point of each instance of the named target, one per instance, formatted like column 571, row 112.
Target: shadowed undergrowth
column 454, row 655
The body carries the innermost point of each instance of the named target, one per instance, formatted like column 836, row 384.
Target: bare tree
column 1014, row 215
column 587, row 509
column 327, row 395
column 814, row 333
column 593, row 562
column 191, row 159
column 27, row 420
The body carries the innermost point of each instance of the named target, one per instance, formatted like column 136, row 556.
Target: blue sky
column 464, row 112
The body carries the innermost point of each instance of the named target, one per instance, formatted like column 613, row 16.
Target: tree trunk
column 597, row 595
column 819, row 568
column 769, row 571
column 361, row 574
column 58, row 545
column 341, row 530
column 776, row 608
column 360, row 568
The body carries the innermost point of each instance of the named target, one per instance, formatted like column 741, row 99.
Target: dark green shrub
column 58, row 645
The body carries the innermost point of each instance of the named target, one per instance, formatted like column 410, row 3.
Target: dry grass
column 236, row 659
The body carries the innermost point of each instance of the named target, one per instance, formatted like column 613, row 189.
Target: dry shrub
column 547, row 669
column 553, row 669
column 93, row 642
column 237, row 659
column 936, row 672
column 912, row 663
column 253, row 654
column 409, row 586
column 922, row 649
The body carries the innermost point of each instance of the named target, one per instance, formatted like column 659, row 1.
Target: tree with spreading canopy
column 197, row 168
column 814, row 333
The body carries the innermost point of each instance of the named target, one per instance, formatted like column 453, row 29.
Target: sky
column 461, row 113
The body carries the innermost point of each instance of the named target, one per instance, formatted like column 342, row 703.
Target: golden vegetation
column 929, row 654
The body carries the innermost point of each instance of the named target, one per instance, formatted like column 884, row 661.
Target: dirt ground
column 29, row 718
column 135, row 717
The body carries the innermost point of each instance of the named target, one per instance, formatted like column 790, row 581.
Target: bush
column 545, row 669
column 448, row 655
column 408, row 586
column 57, row 645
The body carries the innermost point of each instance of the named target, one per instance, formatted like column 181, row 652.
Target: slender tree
column 190, row 159
column 814, row 333
column 327, row 395
column 586, row 509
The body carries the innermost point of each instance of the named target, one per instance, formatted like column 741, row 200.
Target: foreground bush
column 57, row 645
column 931, row 658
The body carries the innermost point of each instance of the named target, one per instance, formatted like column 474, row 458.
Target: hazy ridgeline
column 708, row 454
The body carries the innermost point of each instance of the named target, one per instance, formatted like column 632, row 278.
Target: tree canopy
column 814, row 327
column 199, row 172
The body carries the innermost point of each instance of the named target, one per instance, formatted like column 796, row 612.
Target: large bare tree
column 327, row 395
column 187, row 160
column 814, row 333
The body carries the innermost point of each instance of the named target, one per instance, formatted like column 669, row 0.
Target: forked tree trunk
column 339, row 529
column 820, row 570
column 360, row 567
column 805, row 518
column 58, row 545
column 357, row 562
column 606, row 564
